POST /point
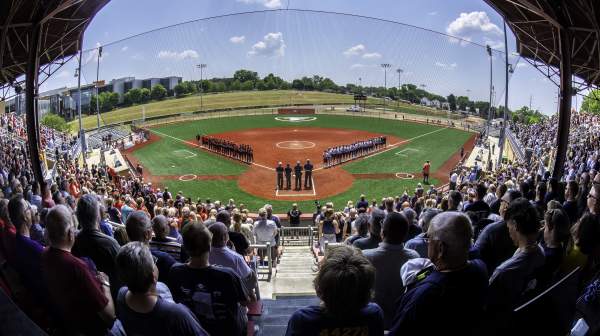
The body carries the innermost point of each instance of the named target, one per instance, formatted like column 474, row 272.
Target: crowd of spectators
column 96, row 254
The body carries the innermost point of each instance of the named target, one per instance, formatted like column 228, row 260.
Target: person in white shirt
column 265, row 231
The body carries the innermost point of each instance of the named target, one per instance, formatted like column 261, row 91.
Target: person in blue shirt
column 139, row 307
column 450, row 299
column 345, row 286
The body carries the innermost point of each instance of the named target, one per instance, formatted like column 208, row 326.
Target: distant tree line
column 247, row 80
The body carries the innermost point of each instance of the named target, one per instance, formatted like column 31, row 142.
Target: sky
column 309, row 39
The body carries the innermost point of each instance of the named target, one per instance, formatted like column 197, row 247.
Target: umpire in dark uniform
column 288, row 177
column 298, row 174
column 308, row 168
column 279, row 171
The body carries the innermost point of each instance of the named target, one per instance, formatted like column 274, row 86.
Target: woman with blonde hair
column 239, row 226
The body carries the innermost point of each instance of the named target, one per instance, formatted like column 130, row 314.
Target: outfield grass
column 218, row 101
column 223, row 190
column 165, row 157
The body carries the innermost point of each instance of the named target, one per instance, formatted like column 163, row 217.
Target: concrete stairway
column 295, row 272
column 276, row 313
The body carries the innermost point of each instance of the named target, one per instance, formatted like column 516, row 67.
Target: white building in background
column 425, row 101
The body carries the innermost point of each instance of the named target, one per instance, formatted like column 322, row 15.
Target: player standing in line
column 279, row 170
column 288, row 177
column 308, row 168
column 298, row 174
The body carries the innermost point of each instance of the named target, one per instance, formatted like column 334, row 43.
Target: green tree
column 235, row 85
column 591, row 102
column 247, row 85
column 56, row 122
column 144, row 95
column 134, row 96
column 452, row 102
column 158, row 92
column 462, row 102
column 245, row 75
column 180, row 90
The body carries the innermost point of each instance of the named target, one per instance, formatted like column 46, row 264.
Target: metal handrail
column 269, row 268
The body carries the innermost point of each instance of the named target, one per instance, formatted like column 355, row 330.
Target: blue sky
column 297, row 43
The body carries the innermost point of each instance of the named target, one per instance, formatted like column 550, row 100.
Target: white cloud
column 432, row 13
column 468, row 23
column 521, row 64
column 125, row 48
column 446, row 66
column 92, row 55
column 373, row 55
column 355, row 50
column 272, row 45
column 174, row 55
column 271, row 4
column 137, row 57
column 237, row 39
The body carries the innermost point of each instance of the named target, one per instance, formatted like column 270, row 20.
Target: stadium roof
column 536, row 25
column 63, row 24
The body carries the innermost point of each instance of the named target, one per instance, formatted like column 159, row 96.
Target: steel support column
column 564, row 112
column 33, row 134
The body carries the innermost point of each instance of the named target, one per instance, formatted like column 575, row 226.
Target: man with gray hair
column 91, row 242
column 454, row 291
column 80, row 293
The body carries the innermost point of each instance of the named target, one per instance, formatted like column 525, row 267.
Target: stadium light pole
column 201, row 67
column 81, row 131
column 399, row 71
column 97, row 87
column 489, row 52
column 385, row 67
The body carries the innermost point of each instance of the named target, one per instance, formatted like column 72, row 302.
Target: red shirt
column 74, row 291
column 426, row 168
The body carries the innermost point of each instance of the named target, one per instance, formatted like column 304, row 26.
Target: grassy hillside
column 219, row 101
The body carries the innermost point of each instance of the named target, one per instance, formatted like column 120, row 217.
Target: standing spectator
column 221, row 255
column 216, row 295
column 140, row 309
column 239, row 241
column 114, row 215
column 570, row 204
column 360, row 229
column 161, row 240
column 516, row 275
column 374, row 238
column 456, row 286
column 238, row 226
column 127, row 209
column 294, row 215
column 494, row 243
column 28, row 252
column 328, row 228
column 92, row 243
column 81, row 295
column 265, row 231
column 426, row 168
column 387, row 259
column 362, row 203
column 345, row 285
column 420, row 242
column 139, row 228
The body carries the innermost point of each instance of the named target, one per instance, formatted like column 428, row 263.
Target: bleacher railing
column 515, row 144
column 297, row 236
column 266, row 266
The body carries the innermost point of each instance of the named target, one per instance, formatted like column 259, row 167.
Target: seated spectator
column 454, row 292
column 221, row 255
column 586, row 234
column 419, row 243
column 81, row 294
column 92, row 243
column 28, row 252
column 215, row 294
column 139, row 228
column 494, row 244
column 387, row 259
column 114, row 215
column 374, row 238
column 515, row 276
column 140, row 309
column 345, row 285
column 161, row 240
column 360, row 229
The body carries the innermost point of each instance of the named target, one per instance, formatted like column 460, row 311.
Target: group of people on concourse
column 298, row 168
column 340, row 154
column 230, row 149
